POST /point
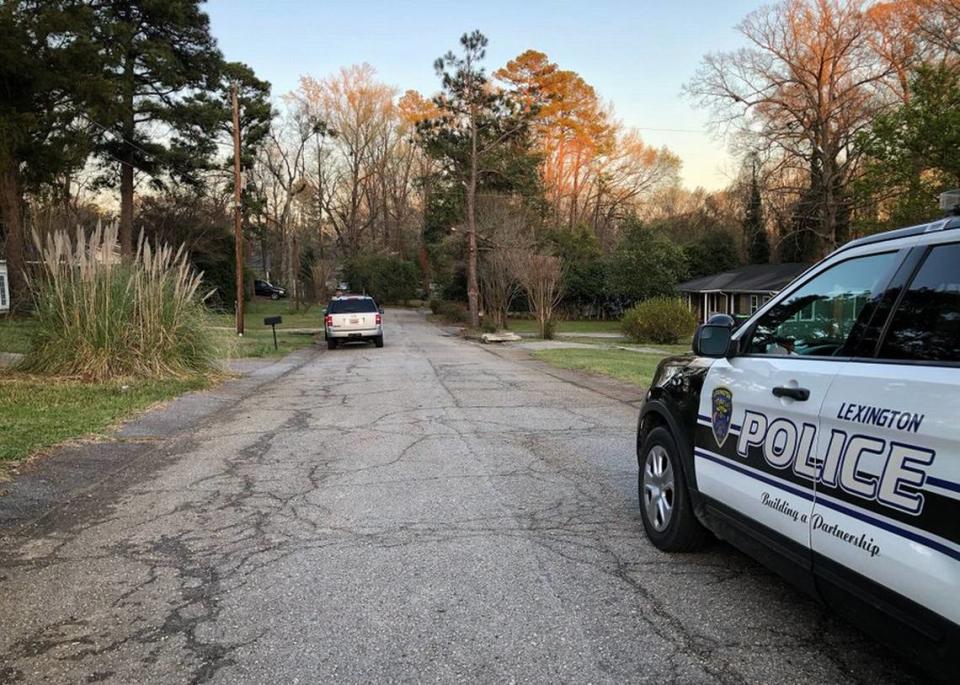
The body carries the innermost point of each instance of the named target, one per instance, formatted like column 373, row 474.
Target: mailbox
column 272, row 321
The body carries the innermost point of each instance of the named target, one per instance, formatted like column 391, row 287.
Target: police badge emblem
column 722, row 400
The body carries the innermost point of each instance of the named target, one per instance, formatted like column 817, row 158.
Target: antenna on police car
column 950, row 202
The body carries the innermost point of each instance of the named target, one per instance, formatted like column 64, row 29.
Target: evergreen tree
column 645, row 264
column 714, row 252
column 912, row 151
column 754, row 228
column 157, row 55
column 480, row 136
column 49, row 77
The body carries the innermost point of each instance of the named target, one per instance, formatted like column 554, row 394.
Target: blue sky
column 636, row 54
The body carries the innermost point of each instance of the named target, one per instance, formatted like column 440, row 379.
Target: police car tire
column 684, row 533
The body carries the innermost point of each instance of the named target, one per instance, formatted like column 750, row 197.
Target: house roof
column 753, row 278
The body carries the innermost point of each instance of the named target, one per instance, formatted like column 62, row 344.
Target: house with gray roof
column 739, row 292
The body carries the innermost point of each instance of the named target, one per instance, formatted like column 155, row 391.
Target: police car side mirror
column 713, row 340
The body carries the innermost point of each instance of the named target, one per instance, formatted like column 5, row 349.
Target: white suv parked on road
column 353, row 317
column 822, row 436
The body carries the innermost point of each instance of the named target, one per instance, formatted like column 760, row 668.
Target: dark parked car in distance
column 268, row 289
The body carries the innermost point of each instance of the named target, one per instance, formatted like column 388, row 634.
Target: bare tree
column 803, row 91
column 279, row 177
column 361, row 112
column 938, row 23
column 504, row 231
column 541, row 277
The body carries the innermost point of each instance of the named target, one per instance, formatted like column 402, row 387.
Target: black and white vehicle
column 353, row 318
column 822, row 436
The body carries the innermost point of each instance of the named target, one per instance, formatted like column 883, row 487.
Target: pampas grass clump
column 101, row 317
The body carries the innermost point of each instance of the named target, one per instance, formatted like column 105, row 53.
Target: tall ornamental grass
column 100, row 317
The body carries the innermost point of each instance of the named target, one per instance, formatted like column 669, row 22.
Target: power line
column 115, row 133
column 122, row 139
column 669, row 130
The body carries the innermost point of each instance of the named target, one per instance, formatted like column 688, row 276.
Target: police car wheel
column 664, row 503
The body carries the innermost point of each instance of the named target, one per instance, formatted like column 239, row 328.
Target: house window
column 757, row 301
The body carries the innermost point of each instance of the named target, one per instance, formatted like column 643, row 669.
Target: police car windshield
column 359, row 305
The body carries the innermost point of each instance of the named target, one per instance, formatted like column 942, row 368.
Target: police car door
column 755, row 456
column 888, row 505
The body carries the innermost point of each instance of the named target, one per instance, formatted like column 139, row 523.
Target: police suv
column 822, row 436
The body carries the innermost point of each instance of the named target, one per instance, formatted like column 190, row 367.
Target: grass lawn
column 15, row 334
column 256, row 342
column 39, row 412
column 632, row 367
column 578, row 326
column 261, row 307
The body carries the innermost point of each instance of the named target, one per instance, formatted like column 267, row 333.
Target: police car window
column 817, row 318
column 926, row 324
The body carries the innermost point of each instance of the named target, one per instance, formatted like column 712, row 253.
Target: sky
column 637, row 55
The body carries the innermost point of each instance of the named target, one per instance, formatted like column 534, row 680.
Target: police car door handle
column 798, row 394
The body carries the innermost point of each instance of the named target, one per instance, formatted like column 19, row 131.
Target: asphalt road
column 429, row 511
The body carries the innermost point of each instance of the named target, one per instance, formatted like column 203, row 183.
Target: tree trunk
column 127, row 157
column 295, row 272
column 473, row 290
column 126, row 210
column 12, row 216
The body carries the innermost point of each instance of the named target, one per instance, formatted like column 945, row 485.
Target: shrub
column 449, row 311
column 388, row 279
column 661, row 320
column 99, row 318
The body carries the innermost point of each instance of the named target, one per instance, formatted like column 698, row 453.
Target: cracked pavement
column 429, row 511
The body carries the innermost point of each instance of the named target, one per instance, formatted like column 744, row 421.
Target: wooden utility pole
column 237, row 211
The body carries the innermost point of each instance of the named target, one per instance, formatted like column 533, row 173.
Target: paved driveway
column 427, row 511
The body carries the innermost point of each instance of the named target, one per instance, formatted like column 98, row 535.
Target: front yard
column 39, row 412
column 297, row 331
column 578, row 326
column 599, row 347
column 627, row 365
column 15, row 334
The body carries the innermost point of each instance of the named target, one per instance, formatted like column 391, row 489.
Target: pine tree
column 158, row 54
column 49, row 76
column 755, row 230
column 480, row 133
